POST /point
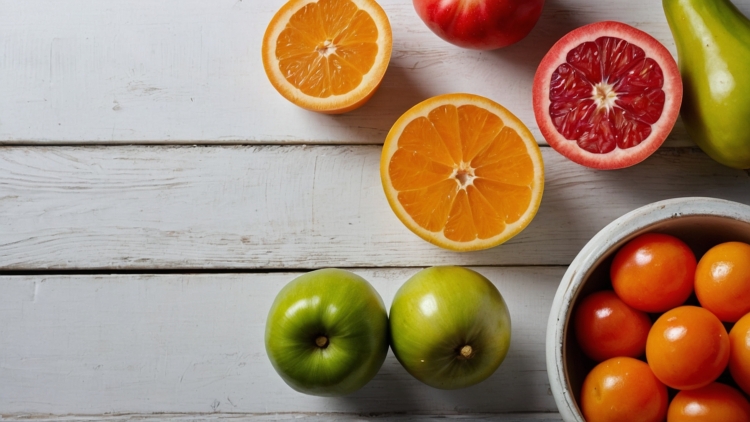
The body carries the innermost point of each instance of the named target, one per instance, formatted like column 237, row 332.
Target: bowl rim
column 596, row 249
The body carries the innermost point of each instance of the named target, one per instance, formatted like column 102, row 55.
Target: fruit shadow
column 399, row 90
column 557, row 19
column 680, row 172
column 668, row 173
column 518, row 385
column 390, row 391
column 743, row 6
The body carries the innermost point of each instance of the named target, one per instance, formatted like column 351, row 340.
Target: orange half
column 327, row 55
column 462, row 172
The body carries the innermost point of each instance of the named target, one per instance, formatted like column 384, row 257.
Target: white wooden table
column 156, row 193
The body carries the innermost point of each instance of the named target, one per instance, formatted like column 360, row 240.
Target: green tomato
column 450, row 327
column 327, row 333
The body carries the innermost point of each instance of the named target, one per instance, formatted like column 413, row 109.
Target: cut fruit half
column 607, row 95
column 327, row 55
column 462, row 172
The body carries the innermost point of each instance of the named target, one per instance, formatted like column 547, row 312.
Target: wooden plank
column 323, row 417
column 85, row 344
column 189, row 71
column 289, row 207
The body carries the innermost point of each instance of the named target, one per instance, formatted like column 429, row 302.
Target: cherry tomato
column 712, row 403
column 687, row 348
column 606, row 327
column 739, row 353
column 722, row 280
column 623, row 390
column 654, row 272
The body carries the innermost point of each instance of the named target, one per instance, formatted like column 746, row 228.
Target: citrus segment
column 460, row 225
column 431, row 218
column 421, row 137
column 445, row 121
column 327, row 55
column 510, row 200
column 478, row 134
column 413, row 170
column 486, row 219
column 462, row 172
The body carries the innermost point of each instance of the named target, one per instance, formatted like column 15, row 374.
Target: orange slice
column 327, row 55
column 462, row 172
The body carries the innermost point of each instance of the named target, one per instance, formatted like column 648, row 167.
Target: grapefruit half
column 607, row 95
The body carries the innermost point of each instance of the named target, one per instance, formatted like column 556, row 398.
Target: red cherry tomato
column 623, row 389
column 739, row 353
column 714, row 402
column 654, row 272
column 480, row 24
column 687, row 348
column 722, row 280
column 606, row 327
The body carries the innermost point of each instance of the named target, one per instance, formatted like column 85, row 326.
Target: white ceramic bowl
column 700, row 222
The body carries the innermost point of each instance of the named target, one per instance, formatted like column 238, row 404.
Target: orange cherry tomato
column 722, row 280
column 606, row 327
column 654, row 272
column 712, row 403
column 739, row 353
column 687, row 348
column 623, row 390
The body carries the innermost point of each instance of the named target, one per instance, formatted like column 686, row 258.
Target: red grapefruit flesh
column 607, row 95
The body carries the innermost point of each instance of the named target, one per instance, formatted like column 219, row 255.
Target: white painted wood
column 85, row 344
column 322, row 417
column 289, row 207
column 189, row 71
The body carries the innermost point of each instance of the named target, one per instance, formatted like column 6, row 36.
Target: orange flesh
column 461, row 171
column 327, row 47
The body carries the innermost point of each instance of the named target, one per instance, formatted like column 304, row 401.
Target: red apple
column 480, row 24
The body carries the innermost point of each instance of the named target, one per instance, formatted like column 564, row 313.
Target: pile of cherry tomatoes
column 697, row 358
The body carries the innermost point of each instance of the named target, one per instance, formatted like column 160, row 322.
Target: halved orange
column 327, row 55
column 462, row 172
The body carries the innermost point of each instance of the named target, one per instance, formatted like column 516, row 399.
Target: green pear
column 713, row 48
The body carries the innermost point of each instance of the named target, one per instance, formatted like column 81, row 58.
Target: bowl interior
column 699, row 232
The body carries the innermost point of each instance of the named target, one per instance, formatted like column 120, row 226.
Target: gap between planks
column 300, row 417
column 188, row 271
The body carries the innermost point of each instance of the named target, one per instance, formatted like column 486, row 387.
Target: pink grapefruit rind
column 618, row 158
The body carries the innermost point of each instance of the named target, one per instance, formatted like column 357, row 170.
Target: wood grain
column 289, row 207
column 189, row 71
column 131, row 347
column 297, row 417
column 84, row 344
